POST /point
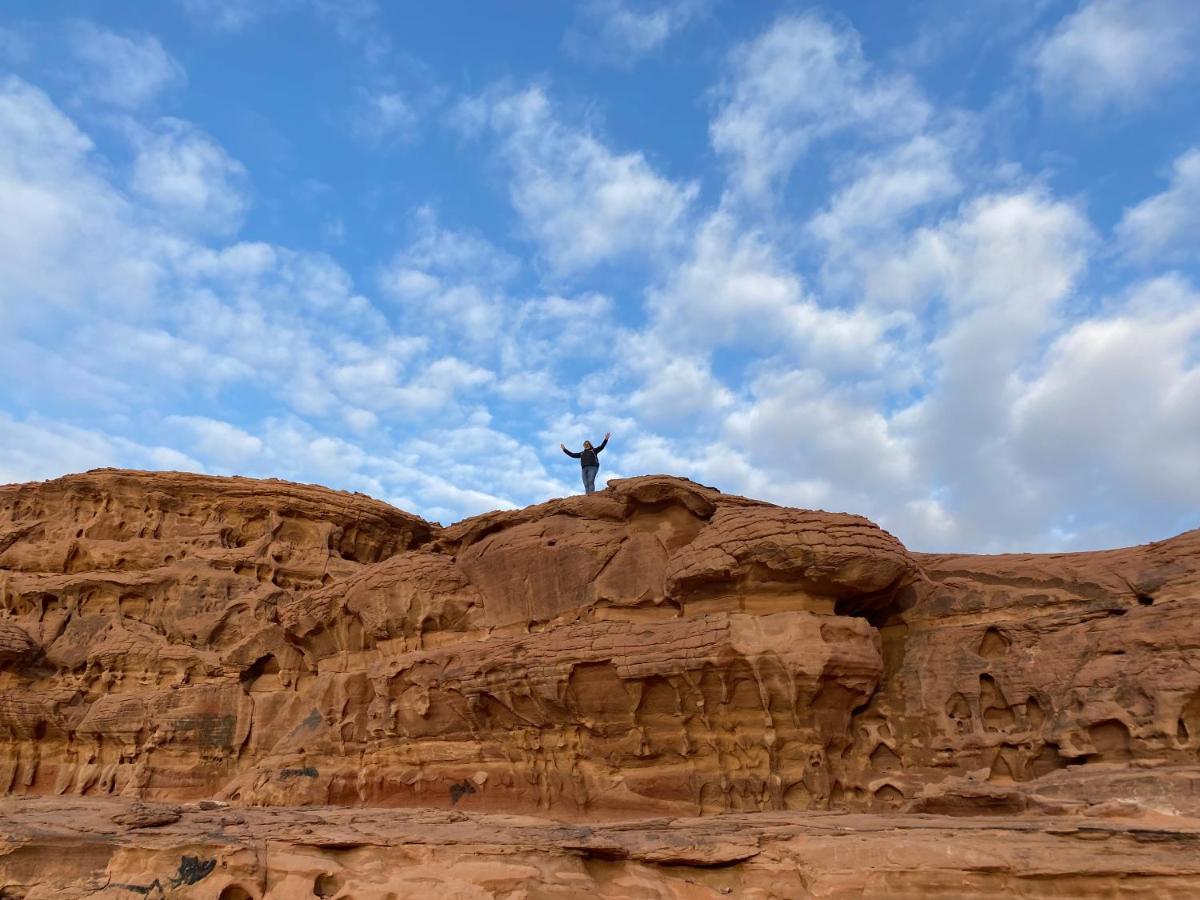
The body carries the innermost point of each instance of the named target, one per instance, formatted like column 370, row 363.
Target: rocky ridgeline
column 184, row 660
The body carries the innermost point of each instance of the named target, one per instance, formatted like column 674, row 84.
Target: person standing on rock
column 589, row 459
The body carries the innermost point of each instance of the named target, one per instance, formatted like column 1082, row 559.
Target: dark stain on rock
column 459, row 789
column 210, row 729
column 192, row 869
column 306, row 771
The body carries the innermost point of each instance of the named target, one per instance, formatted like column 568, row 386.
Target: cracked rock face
column 657, row 648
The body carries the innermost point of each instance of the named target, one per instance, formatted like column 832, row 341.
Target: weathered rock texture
column 658, row 648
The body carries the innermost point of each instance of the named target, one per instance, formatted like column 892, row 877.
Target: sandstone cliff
column 656, row 649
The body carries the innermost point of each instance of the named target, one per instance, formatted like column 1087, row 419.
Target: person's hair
column 587, row 443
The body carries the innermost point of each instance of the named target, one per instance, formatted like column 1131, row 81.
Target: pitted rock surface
column 658, row 648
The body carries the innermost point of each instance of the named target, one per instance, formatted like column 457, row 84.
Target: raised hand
column 607, row 435
column 563, row 446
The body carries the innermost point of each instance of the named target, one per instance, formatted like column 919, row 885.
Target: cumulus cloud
column 884, row 188
column 1111, row 425
column 1165, row 227
column 128, row 71
column 678, row 391
column 1003, row 269
column 800, row 422
column 189, row 177
column 803, row 80
column 620, row 32
column 67, row 238
column 386, row 116
column 581, row 202
column 733, row 289
column 450, row 279
column 1117, row 53
column 266, row 320
column 225, row 444
column 35, row 448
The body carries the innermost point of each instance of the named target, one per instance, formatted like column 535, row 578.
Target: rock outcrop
column 656, row 649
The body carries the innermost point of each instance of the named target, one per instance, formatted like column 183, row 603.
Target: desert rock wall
column 656, row 648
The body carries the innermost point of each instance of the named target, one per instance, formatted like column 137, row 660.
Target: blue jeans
column 589, row 478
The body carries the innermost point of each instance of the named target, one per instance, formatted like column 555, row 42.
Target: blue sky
column 932, row 262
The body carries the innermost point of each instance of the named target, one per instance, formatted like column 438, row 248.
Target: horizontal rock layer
column 108, row 849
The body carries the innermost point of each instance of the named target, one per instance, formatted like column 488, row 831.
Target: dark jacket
column 587, row 457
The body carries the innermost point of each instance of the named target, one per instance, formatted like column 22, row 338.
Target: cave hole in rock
column 994, row 644
column 997, row 714
column 712, row 799
column 885, row 759
column 1189, row 719
column 797, row 796
column 1112, row 741
column 888, row 796
column 1034, row 714
column 1048, row 760
column 327, row 885
column 595, row 690
column 958, row 711
column 1002, row 770
column 1145, row 599
column 263, row 675
column 235, row 892
column 837, row 795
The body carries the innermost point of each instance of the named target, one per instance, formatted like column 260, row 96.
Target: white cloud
column 620, row 32
column 189, row 177
column 676, row 390
column 226, row 445
column 1017, row 252
column 457, row 255
column 985, row 290
column 349, row 17
column 581, row 202
column 799, row 82
column 885, row 188
column 1118, row 52
column 1003, row 268
column 1166, row 227
column 35, row 449
column 152, row 311
column 734, row 290
column 67, row 239
column 450, row 281
column 228, row 15
column 384, row 117
column 802, row 423
column 1111, row 425
column 126, row 71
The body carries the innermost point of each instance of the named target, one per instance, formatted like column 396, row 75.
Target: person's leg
column 589, row 478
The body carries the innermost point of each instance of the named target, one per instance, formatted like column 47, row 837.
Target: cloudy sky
column 932, row 262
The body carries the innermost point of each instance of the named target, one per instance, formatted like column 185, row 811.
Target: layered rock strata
column 104, row 849
column 658, row 648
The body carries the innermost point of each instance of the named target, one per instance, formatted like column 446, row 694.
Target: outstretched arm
column 604, row 443
column 568, row 452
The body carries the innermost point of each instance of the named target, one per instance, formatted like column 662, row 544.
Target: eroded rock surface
column 657, row 648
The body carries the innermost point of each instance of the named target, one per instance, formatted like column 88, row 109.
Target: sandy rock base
column 75, row 848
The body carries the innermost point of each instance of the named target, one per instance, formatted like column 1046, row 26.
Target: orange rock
column 657, row 648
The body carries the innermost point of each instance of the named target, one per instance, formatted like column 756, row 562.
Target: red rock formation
column 655, row 648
